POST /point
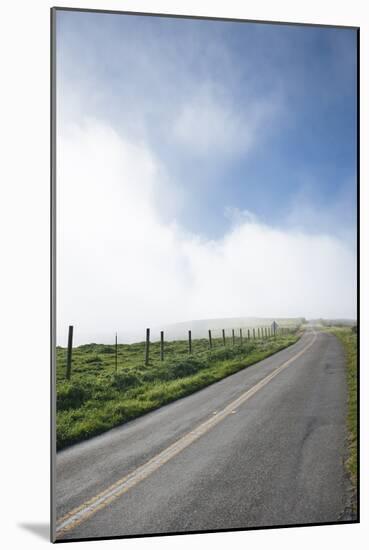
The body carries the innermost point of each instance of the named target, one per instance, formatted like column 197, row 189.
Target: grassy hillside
column 348, row 337
column 199, row 327
column 98, row 397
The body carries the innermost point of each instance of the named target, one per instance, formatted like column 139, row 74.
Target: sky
column 205, row 169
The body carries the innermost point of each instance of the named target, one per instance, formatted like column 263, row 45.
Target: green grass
column 97, row 398
column 349, row 340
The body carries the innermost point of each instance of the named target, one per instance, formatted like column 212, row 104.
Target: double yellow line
column 101, row 500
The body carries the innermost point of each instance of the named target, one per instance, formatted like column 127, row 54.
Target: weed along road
column 263, row 447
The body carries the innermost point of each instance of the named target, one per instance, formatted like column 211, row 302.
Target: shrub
column 88, row 347
column 95, row 359
column 185, row 367
column 125, row 380
column 230, row 352
column 109, row 350
column 71, row 395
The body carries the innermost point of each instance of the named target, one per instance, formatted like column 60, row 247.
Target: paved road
column 262, row 447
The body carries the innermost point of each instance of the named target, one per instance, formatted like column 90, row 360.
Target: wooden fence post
column 233, row 337
column 248, row 334
column 241, row 335
column 253, row 333
column 161, row 345
column 189, row 342
column 116, row 353
column 210, row 341
column 223, row 335
column 147, row 346
column 262, row 333
column 69, row 352
column 258, row 333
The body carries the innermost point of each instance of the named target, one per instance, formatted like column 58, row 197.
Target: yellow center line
column 101, row 500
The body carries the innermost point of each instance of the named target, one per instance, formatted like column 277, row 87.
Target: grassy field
column 97, row 398
column 349, row 341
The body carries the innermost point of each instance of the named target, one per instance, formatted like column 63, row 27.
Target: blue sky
column 239, row 123
column 306, row 77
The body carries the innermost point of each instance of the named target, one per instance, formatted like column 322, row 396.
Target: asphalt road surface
column 263, row 447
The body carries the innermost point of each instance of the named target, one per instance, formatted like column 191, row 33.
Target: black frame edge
column 206, row 17
column 52, row 274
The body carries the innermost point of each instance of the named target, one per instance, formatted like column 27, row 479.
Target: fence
column 216, row 338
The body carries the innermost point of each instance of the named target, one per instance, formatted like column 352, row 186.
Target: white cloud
column 238, row 217
column 208, row 122
column 121, row 265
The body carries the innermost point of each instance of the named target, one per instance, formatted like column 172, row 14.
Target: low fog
column 124, row 263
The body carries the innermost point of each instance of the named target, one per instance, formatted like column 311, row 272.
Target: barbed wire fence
column 217, row 338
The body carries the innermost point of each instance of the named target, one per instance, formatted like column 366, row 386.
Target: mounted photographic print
column 204, row 274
